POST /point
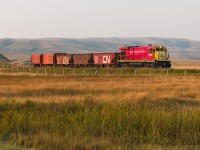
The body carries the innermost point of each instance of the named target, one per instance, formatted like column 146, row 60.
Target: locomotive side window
column 123, row 55
column 149, row 50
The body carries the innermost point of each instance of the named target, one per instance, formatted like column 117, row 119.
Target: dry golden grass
column 152, row 110
column 186, row 64
column 110, row 89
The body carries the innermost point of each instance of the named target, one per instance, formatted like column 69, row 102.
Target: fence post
column 96, row 73
column 185, row 72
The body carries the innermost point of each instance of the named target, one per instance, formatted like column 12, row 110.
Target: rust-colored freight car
column 47, row 59
column 62, row 59
column 35, row 59
column 82, row 59
column 105, row 59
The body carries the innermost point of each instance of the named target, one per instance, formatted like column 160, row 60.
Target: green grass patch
column 94, row 125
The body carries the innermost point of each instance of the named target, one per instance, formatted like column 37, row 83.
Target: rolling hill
column 21, row 49
column 3, row 58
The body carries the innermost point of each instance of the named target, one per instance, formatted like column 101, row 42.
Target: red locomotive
column 145, row 56
column 155, row 56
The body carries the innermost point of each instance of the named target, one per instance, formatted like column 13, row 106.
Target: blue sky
column 100, row 18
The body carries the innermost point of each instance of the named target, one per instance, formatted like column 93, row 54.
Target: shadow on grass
column 58, row 92
column 171, row 103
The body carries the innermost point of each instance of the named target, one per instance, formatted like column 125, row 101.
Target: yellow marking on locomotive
column 156, row 56
column 160, row 53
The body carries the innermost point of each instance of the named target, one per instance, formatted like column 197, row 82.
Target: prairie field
column 127, row 111
column 186, row 64
column 107, row 89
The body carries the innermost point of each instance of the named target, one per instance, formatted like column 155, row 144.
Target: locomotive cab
column 161, row 56
column 160, row 53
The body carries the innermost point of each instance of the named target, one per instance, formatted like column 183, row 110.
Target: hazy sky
column 100, row 18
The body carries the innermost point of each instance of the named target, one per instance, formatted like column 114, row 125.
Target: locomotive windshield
column 161, row 48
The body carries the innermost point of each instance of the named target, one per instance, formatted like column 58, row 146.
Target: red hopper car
column 62, row 59
column 47, row 59
column 35, row 59
column 105, row 59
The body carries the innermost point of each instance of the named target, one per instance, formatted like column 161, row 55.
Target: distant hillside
column 21, row 49
column 3, row 58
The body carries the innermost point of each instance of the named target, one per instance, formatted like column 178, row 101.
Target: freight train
column 150, row 56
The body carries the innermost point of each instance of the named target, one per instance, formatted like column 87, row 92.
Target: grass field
column 88, row 111
column 186, row 64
